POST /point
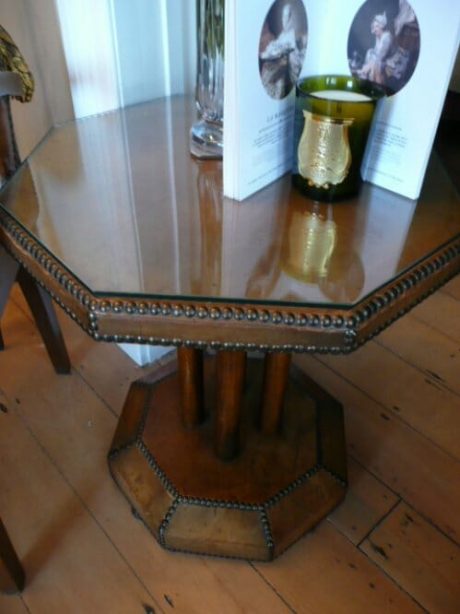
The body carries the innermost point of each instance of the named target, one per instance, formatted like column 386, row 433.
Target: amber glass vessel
column 333, row 117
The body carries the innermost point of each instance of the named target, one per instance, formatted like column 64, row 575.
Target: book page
column 404, row 129
column 267, row 42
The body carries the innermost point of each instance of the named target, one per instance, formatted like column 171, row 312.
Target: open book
column 269, row 44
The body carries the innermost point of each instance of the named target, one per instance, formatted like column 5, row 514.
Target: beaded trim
column 345, row 323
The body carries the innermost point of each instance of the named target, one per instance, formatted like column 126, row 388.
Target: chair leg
column 12, row 576
column 42, row 308
column 9, row 270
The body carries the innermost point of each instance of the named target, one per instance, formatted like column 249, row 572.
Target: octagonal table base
column 244, row 472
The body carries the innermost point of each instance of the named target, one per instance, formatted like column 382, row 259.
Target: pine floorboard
column 84, row 551
column 413, row 552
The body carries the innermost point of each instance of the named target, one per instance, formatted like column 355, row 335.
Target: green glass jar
column 333, row 116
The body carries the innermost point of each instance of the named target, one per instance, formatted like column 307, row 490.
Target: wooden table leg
column 276, row 374
column 230, row 381
column 190, row 369
column 12, row 577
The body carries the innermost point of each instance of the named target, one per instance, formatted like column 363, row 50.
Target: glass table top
column 118, row 199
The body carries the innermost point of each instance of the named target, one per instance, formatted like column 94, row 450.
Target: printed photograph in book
column 282, row 47
column 384, row 43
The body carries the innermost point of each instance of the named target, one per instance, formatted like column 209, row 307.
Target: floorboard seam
column 273, row 588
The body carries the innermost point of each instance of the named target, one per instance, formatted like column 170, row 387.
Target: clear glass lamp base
column 206, row 140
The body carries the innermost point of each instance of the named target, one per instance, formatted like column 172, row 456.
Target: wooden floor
column 393, row 545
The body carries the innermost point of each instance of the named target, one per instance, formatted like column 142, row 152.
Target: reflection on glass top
column 118, row 199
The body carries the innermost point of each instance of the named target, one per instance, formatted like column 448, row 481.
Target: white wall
column 89, row 51
column 89, row 56
column 120, row 52
column 34, row 28
column 155, row 49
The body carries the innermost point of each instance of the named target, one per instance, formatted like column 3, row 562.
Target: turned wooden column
column 231, row 367
column 190, row 367
column 276, row 373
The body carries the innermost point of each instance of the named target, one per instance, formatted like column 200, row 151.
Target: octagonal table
column 229, row 450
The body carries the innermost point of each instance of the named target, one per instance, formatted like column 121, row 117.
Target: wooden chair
column 39, row 301
column 12, row 577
